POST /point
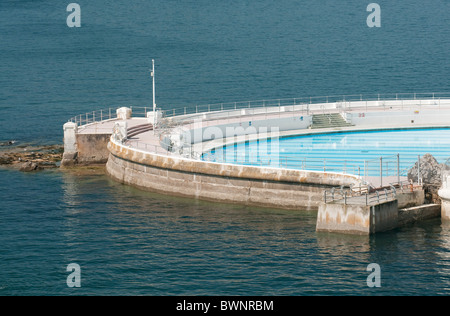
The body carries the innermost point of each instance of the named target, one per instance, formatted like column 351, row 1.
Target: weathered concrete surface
column 410, row 198
column 418, row 213
column 230, row 170
column 445, row 211
column 444, row 192
column 92, row 148
column 357, row 219
column 271, row 187
column 70, row 144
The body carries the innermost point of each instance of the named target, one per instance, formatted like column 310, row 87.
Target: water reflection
column 444, row 254
column 162, row 245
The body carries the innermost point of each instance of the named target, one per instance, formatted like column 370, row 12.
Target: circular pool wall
column 351, row 151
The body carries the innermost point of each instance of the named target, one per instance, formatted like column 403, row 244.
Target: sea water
column 129, row 242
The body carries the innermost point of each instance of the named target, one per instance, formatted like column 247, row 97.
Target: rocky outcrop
column 8, row 143
column 430, row 170
column 431, row 175
column 29, row 166
column 32, row 158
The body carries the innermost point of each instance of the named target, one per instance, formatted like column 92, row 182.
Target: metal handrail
column 305, row 102
column 238, row 105
column 370, row 197
column 107, row 114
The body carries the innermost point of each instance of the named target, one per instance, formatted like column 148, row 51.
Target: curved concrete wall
column 269, row 187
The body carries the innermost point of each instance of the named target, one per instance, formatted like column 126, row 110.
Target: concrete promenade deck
column 229, row 118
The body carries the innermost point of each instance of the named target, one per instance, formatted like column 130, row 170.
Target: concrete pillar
column 444, row 194
column 153, row 118
column 357, row 219
column 70, row 144
column 124, row 113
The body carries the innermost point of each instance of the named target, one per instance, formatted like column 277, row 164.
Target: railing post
column 365, row 170
column 398, row 168
column 418, row 170
column 381, row 171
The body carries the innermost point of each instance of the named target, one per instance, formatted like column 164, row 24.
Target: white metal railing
column 301, row 104
column 369, row 197
column 382, row 167
column 229, row 106
column 107, row 114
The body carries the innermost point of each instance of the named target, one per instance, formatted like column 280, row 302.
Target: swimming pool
column 356, row 152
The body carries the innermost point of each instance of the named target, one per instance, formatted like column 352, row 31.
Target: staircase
column 328, row 120
column 139, row 129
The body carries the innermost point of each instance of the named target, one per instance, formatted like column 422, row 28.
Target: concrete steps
column 328, row 120
column 139, row 129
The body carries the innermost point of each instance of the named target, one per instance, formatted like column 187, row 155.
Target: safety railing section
column 304, row 102
column 287, row 162
column 302, row 105
column 94, row 116
column 387, row 169
column 107, row 114
column 369, row 196
column 153, row 148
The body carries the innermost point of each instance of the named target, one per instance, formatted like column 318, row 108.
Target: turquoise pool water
column 362, row 152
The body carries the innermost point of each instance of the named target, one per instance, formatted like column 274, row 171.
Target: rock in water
column 8, row 143
column 29, row 166
column 430, row 170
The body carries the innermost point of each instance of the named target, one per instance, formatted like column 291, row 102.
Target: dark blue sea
column 129, row 242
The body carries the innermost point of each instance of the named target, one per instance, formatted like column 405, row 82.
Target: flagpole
column 154, row 103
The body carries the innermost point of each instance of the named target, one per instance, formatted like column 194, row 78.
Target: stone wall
column 357, row 219
column 269, row 187
column 92, row 148
column 84, row 149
